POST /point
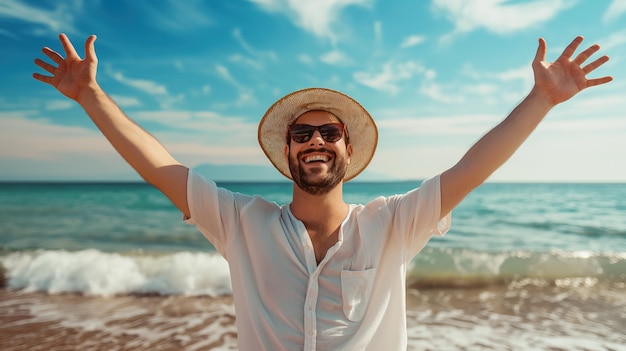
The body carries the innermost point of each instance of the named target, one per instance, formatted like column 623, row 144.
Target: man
column 319, row 273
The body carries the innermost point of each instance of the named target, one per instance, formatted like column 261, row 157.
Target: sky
column 199, row 75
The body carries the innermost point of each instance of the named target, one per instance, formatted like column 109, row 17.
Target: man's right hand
column 72, row 76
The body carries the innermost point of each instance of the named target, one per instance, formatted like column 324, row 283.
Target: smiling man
column 318, row 273
column 317, row 166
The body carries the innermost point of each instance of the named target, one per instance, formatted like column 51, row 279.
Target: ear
column 349, row 151
column 287, row 152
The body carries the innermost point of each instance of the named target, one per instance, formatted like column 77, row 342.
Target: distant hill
column 258, row 173
column 239, row 173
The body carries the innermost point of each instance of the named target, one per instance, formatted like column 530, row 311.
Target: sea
column 112, row 266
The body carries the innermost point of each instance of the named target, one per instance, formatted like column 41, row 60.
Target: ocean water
column 112, row 265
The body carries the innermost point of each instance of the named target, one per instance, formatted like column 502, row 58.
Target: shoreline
column 527, row 318
column 40, row 321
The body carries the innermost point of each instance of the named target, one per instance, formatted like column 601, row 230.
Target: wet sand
column 486, row 318
column 37, row 321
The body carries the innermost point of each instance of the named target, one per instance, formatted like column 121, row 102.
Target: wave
column 93, row 272
column 453, row 267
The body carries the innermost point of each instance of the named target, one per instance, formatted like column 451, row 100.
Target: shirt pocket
column 356, row 288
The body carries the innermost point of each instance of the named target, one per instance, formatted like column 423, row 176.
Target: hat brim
column 272, row 133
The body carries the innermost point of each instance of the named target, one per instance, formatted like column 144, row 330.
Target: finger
column 571, row 48
column 598, row 81
column 67, row 46
column 53, row 55
column 595, row 64
column 90, row 50
column 42, row 78
column 46, row 66
column 541, row 51
column 583, row 56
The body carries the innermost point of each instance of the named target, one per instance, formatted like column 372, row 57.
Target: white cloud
column 490, row 86
column 255, row 61
column 24, row 138
column 335, row 57
column 256, row 64
column 7, row 33
column 483, row 89
column 232, row 140
column 224, row 73
column 615, row 10
column 246, row 95
column 58, row 19
column 40, row 147
column 195, row 121
column 306, row 59
column 439, row 93
column 498, row 16
column 378, row 31
column 125, row 101
column 609, row 106
column 523, row 73
column 59, row 104
column 412, row 41
column 157, row 90
column 614, row 40
column 573, row 143
column 250, row 50
column 471, row 125
column 392, row 73
column 174, row 15
column 144, row 85
column 246, row 98
column 486, row 87
column 316, row 17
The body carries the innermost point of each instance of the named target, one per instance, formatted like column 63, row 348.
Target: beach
column 37, row 321
column 111, row 266
column 528, row 317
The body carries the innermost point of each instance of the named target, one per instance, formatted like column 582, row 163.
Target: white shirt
column 353, row 300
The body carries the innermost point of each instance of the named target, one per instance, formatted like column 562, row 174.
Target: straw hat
column 362, row 130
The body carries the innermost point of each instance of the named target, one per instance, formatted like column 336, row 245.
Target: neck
column 322, row 216
column 319, row 210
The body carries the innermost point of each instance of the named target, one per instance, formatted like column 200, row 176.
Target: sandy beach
column 37, row 321
column 488, row 318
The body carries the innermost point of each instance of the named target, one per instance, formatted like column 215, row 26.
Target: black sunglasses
column 330, row 132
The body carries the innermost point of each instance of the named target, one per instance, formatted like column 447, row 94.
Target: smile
column 316, row 158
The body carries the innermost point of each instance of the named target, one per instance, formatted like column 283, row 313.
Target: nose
column 316, row 139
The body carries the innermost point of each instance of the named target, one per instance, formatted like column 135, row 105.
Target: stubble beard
column 311, row 182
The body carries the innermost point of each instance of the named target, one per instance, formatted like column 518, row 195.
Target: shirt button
column 311, row 332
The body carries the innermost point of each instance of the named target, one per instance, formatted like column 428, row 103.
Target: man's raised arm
column 555, row 82
column 76, row 78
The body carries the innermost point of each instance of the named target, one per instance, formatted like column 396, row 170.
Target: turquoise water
column 500, row 232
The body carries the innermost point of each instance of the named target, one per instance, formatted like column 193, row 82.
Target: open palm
column 72, row 75
column 564, row 78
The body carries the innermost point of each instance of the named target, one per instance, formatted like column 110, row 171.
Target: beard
column 312, row 182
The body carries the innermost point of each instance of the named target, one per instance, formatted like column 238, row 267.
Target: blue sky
column 199, row 75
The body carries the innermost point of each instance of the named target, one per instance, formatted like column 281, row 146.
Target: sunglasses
column 330, row 132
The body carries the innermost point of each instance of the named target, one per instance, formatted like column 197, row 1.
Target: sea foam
column 93, row 272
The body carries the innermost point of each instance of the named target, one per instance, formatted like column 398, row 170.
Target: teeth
column 314, row 158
